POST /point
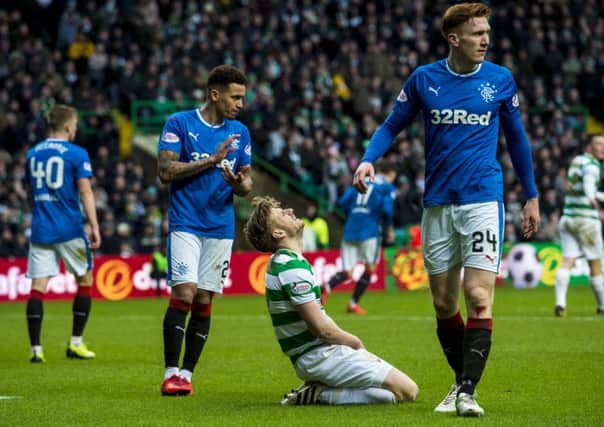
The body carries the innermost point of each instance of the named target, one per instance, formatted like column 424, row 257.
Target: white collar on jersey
column 471, row 73
column 206, row 123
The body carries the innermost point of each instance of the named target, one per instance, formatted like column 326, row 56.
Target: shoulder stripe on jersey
column 275, row 268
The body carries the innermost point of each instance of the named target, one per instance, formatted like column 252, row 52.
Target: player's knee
column 413, row 392
column 184, row 292
column 479, row 297
column 39, row 285
column 410, row 392
column 445, row 307
column 406, row 392
column 203, row 297
column 403, row 387
column 85, row 280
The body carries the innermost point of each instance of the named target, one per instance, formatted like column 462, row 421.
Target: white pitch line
column 10, row 397
column 368, row 317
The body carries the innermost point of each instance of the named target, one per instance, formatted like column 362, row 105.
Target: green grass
column 543, row 371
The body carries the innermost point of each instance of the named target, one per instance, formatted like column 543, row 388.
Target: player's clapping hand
column 234, row 179
column 364, row 170
column 530, row 218
column 224, row 149
column 240, row 181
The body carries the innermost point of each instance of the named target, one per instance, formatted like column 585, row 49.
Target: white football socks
column 187, row 375
column 351, row 396
column 562, row 278
column 170, row 371
column 597, row 285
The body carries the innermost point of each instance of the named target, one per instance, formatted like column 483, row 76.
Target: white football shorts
column 581, row 236
column 365, row 251
column 43, row 260
column 342, row 366
column 470, row 235
column 201, row 260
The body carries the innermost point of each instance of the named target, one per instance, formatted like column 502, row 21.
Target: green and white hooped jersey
column 576, row 202
column 289, row 282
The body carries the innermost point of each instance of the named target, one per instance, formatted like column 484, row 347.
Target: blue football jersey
column 203, row 204
column 366, row 212
column 461, row 114
column 53, row 169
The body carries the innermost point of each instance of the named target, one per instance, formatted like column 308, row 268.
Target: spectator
column 332, row 86
column 318, row 224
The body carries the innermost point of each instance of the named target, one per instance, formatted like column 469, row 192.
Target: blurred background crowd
column 323, row 74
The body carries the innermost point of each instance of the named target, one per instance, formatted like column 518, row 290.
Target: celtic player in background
column 580, row 225
column 333, row 363
column 465, row 100
column 58, row 174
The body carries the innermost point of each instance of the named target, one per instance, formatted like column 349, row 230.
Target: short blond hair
column 460, row 13
column 257, row 229
column 58, row 115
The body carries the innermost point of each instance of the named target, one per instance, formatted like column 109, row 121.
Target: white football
column 523, row 266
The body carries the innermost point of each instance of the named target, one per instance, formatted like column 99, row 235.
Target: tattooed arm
column 170, row 169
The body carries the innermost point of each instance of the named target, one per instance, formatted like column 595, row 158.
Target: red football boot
column 176, row 386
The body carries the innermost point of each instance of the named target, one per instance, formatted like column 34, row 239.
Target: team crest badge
column 487, row 92
column 235, row 143
column 515, row 102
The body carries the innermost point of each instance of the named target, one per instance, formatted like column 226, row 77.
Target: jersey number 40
column 50, row 173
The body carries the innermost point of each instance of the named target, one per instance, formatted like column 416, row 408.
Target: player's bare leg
column 450, row 328
column 403, row 387
column 397, row 387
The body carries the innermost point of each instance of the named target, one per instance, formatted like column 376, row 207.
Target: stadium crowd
column 322, row 75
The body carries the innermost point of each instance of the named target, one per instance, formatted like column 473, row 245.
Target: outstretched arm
column 406, row 107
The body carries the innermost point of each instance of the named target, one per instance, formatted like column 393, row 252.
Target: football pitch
column 543, row 371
